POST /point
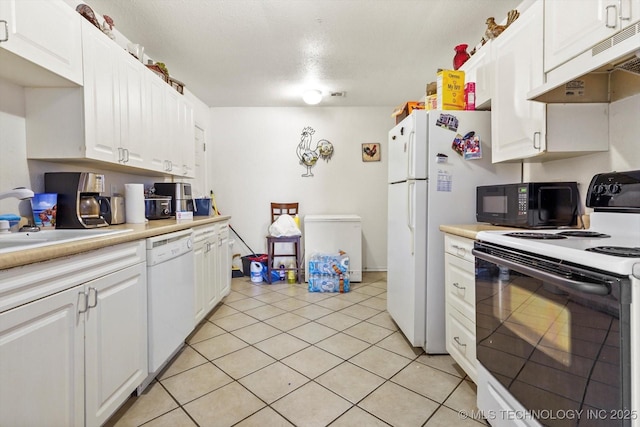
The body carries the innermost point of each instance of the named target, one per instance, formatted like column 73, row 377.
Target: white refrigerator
column 431, row 183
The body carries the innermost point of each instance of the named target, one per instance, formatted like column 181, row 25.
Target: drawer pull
column 457, row 340
column 457, row 285
column 460, row 250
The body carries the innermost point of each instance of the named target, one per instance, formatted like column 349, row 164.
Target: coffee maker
column 79, row 202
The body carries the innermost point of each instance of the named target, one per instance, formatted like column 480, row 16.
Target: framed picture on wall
column 371, row 152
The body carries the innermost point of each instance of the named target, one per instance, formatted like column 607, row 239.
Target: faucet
column 19, row 193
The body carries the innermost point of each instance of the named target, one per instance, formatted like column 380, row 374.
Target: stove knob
column 600, row 189
column 615, row 188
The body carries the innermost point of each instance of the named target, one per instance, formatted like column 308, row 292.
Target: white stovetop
column 624, row 230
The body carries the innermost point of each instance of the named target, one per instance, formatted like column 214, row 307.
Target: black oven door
column 555, row 336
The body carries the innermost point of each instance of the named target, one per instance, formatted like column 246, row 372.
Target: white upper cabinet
column 113, row 101
column 101, row 95
column 530, row 130
column 573, row 26
column 40, row 43
column 123, row 115
column 517, row 125
column 135, row 145
column 479, row 69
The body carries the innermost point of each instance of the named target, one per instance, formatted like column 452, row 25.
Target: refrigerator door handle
column 411, row 189
column 410, row 169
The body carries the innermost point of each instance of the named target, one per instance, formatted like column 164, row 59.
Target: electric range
column 557, row 329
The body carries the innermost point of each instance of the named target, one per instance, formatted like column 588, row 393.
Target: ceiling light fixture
column 312, row 97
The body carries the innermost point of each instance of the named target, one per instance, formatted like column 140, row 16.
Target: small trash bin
column 203, row 207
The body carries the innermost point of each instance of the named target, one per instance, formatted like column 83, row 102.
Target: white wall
column 253, row 162
column 623, row 154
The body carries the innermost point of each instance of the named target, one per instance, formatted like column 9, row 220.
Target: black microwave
column 528, row 204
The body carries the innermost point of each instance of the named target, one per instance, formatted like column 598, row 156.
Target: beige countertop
column 471, row 230
column 138, row 231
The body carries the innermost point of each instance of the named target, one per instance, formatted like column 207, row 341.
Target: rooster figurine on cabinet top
column 494, row 30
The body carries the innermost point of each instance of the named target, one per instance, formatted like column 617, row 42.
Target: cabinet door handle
column 92, row 302
column 82, row 303
column 607, row 20
column 457, row 285
column 126, row 155
column 629, row 6
column 6, row 31
column 460, row 343
column 537, row 136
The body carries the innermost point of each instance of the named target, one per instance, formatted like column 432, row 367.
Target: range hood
column 607, row 72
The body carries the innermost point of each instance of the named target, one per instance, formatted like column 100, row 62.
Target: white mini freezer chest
column 333, row 233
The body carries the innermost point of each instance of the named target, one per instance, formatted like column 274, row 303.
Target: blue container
column 202, row 207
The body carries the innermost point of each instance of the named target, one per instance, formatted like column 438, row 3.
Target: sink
column 11, row 242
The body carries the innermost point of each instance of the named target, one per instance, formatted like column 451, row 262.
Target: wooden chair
column 278, row 209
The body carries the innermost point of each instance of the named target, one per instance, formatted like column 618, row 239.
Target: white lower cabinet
column 460, row 294
column 42, row 362
column 205, row 298
column 73, row 357
column 213, row 267
column 224, row 260
column 115, row 340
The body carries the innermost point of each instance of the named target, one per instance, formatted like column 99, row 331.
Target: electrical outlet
column 114, row 189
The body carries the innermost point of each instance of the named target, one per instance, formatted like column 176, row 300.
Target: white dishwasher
column 170, row 293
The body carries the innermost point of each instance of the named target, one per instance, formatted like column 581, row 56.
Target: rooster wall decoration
column 308, row 156
column 371, row 152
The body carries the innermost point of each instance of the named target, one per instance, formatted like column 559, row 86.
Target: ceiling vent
column 338, row 94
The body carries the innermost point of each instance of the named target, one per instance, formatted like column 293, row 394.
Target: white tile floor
column 277, row 355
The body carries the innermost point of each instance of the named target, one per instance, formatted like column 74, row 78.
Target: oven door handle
column 574, row 285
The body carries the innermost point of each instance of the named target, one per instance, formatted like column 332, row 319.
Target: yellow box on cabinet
column 450, row 90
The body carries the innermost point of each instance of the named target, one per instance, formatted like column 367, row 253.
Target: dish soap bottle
column 291, row 275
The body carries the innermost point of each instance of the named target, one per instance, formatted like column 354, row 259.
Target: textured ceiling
column 266, row 52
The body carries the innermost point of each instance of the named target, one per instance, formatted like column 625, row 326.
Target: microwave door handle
column 568, row 284
column 411, row 189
